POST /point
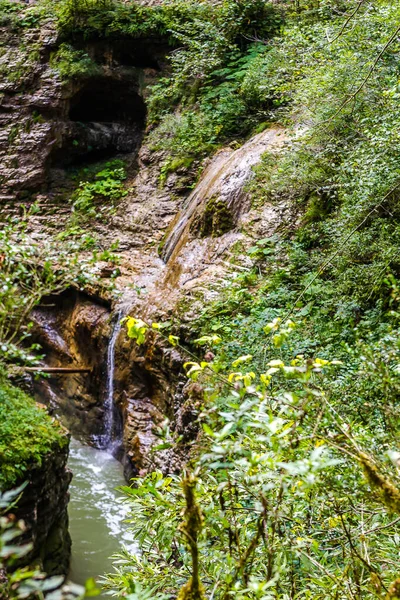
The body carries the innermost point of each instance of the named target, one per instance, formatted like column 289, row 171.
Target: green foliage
column 9, row 13
column 340, row 176
column 296, row 500
column 29, row 271
column 214, row 110
column 27, row 434
column 189, row 134
column 299, row 490
column 136, row 329
column 105, row 18
column 72, row 63
column 173, row 165
column 28, row 582
column 107, row 185
column 17, row 15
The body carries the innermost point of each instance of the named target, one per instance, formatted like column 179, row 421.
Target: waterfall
column 189, row 207
column 225, row 179
column 105, row 439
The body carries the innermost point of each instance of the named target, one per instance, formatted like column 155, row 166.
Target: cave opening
column 106, row 117
column 106, row 100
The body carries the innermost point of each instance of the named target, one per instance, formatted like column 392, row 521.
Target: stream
column 96, row 513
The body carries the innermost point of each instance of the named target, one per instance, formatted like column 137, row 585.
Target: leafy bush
column 282, row 491
column 17, row 15
column 107, row 184
column 207, row 73
column 9, row 13
column 72, row 63
column 298, row 489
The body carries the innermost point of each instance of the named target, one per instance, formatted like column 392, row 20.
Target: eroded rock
column 73, row 330
column 43, row 508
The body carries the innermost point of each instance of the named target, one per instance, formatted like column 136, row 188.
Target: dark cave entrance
column 108, row 101
column 106, row 117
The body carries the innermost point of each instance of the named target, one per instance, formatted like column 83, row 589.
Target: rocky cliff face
column 43, row 507
column 73, row 330
column 149, row 381
column 174, row 246
column 47, row 124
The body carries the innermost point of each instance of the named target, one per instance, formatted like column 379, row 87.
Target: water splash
column 97, row 512
column 105, row 439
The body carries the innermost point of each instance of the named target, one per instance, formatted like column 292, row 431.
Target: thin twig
column 366, row 78
column 355, row 11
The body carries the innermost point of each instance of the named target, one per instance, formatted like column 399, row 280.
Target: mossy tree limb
column 191, row 528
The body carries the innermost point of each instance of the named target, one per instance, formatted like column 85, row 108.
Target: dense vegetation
column 21, row 420
column 28, row 272
column 296, row 487
column 293, row 488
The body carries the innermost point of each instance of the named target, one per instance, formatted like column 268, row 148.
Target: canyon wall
column 43, row 507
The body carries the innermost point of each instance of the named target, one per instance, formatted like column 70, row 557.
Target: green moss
column 217, row 219
column 317, row 209
column 14, row 131
column 161, row 245
column 27, row 434
column 262, row 127
column 175, row 164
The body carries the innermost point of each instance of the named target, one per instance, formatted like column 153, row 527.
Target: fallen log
column 58, row 370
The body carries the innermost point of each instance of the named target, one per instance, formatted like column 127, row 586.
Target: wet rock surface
column 220, row 198
column 43, row 508
column 149, row 380
column 73, row 330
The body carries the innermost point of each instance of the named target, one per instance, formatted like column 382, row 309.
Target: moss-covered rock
column 217, row 219
column 27, row 434
column 34, row 450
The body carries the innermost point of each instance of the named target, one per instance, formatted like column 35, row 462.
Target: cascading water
column 187, row 211
column 105, row 439
column 96, row 512
column 224, row 178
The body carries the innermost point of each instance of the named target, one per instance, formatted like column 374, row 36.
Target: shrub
column 277, row 495
column 29, row 271
column 72, row 63
column 107, row 184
